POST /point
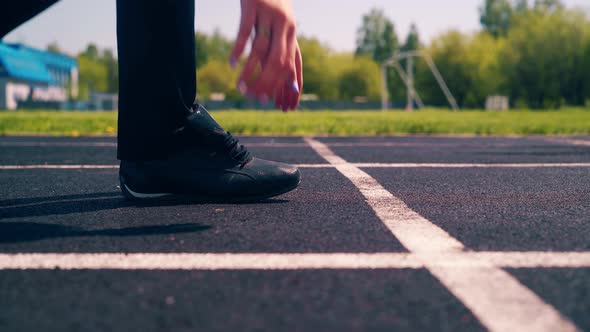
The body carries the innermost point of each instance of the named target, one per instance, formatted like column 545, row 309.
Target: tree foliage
column 544, row 58
column 360, row 79
column 216, row 77
column 54, row 47
column 319, row 69
column 412, row 42
column 539, row 61
column 448, row 52
column 376, row 37
column 213, row 47
column 99, row 71
column 548, row 5
column 496, row 16
column 93, row 76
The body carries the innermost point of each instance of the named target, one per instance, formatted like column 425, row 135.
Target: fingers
column 270, row 68
column 279, row 66
column 294, row 85
column 247, row 23
column 299, row 73
column 288, row 97
column 274, row 67
column 257, row 57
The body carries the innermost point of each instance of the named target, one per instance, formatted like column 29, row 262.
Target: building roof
column 49, row 58
column 27, row 63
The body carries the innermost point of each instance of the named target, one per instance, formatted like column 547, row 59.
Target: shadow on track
column 83, row 203
column 32, row 200
column 14, row 232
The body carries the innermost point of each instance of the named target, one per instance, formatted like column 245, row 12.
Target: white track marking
column 570, row 141
column 467, row 165
column 496, row 298
column 238, row 261
column 206, row 261
column 531, row 259
column 358, row 165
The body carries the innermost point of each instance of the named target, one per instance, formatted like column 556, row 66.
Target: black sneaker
column 208, row 165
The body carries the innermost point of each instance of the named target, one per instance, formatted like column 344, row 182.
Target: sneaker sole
column 136, row 196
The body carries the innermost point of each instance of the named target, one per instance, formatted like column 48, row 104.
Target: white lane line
column 496, row 298
column 359, row 165
column 274, row 261
column 570, row 141
column 468, row 165
column 530, row 259
column 207, row 261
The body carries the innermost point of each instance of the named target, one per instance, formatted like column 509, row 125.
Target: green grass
column 564, row 122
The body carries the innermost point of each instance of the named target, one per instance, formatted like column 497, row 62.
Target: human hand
column 274, row 67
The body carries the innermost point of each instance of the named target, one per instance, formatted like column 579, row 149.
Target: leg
column 168, row 148
column 21, row 11
column 157, row 74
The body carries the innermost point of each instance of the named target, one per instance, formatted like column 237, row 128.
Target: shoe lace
column 236, row 150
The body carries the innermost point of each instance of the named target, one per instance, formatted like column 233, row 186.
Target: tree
column 112, row 67
column 585, row 65
column 544, row 57
column 521, row 6
column 495, row 16
column 214, row 47
column 448, row 52
column 548, row 5
column 54, row 47
column 482, row 60
column 201, row 56
column 319, row 69
column 412, row 42
column 91, row 52
column 93, row 76
column 217, row 77
column 395, row 85
column 469, row 65
column 218, row 46
column 360, row 80
column 376, row 37
column 98, row 70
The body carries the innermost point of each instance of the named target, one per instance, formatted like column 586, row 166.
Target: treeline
column 538, row 54
column 98, row 70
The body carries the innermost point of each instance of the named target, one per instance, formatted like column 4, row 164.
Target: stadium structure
column 35, row 78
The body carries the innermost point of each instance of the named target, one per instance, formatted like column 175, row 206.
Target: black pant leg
column 157, row 74
column 18, row 12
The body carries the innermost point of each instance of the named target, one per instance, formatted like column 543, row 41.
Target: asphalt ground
column 522, row 208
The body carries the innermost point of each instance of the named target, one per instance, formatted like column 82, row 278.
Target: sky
column 75, row 23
